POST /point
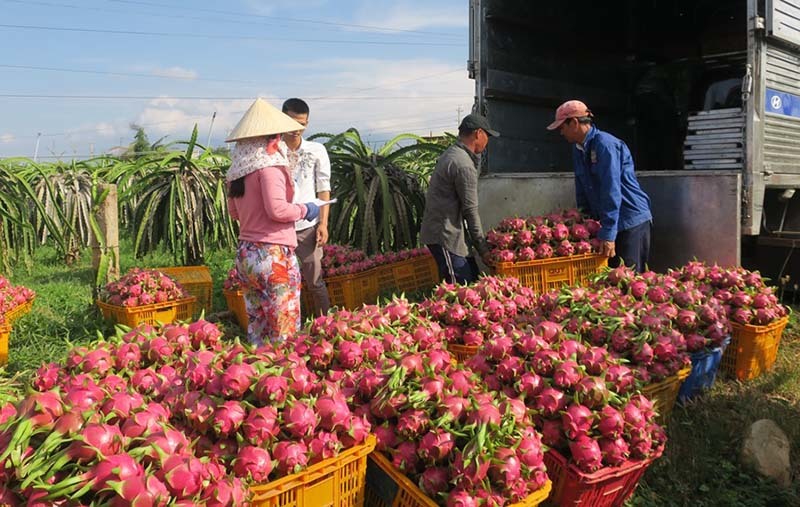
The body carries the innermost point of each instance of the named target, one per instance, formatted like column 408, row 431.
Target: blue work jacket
column 606, row 186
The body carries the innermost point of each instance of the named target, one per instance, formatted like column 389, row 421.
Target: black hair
column 585, row 120
column 294, row 105
column 464, row 131
column 237, row 188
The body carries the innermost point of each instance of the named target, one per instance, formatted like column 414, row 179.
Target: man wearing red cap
column 606, row 186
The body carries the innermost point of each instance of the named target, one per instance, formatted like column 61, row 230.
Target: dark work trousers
column 633, row 247
column 454, row 268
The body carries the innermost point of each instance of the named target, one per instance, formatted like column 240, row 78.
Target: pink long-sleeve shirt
column 265, row 212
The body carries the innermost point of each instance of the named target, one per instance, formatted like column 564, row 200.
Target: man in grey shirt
column 452, row 202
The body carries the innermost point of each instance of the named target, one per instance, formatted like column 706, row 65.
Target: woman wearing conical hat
column 260, row 196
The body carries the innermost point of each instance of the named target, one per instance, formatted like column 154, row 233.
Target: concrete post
column 109, row 226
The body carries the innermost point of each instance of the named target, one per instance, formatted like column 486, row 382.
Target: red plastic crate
column 389, row 487
column 608, row 487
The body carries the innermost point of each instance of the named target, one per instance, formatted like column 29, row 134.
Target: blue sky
column 382, row 66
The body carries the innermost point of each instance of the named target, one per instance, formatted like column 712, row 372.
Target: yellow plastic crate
column 5, row 332
column 408, row 275
column 235, row 300
column 165, row 313
column 664, row 394
column 544, row 274
column 197, row 282
column 334, row 482
column 18, row 312
column 462, row 353
column 388, row 487
column 753, row 349
column 352, row 291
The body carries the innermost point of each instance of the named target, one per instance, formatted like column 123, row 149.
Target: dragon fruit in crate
column 141, row 287
column 559, row 234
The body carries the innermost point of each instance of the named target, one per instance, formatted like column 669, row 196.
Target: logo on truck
column 775, row 102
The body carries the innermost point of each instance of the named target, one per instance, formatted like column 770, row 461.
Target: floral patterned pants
column 270, row 279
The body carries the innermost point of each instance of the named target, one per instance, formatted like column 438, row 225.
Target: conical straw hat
column 262, row 119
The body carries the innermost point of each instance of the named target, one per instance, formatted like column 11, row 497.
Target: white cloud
column 176, row 118
column 175, row 72
column 412, row 16
column 421, row 96
column 105, row 129
column 379, row 97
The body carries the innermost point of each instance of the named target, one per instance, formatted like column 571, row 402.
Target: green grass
column 64, row 312
column 700, row 466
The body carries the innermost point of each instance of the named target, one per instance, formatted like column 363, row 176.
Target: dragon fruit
column 586, row 453
column 615, row 451
column 576, row 420
column 254, row 463
column 435, row 446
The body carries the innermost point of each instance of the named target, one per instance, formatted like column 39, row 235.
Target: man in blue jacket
column 606, row 186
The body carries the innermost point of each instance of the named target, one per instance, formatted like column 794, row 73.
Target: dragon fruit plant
column 559, row 234
column 139, row 287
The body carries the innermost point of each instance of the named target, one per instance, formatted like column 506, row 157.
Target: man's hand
column 608, row 249
column 322, row 234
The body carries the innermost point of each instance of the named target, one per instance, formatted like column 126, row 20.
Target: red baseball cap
column 567, row 110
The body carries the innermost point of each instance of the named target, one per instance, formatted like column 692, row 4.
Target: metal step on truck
column 706, row 93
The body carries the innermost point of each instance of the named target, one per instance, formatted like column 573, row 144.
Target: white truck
column 706, row 93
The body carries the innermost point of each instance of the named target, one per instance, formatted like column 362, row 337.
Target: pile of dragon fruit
column 340, row 260
column 139, row 287
column 471, row 314
column 168, row 415
column 746, row 299
column 435, row 421
column 343, row 260
column 12, row 296
column 174, row 415
column 582, row 396
column 559, row 234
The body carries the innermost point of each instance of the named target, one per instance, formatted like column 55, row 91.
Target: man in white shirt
column 311, row 170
